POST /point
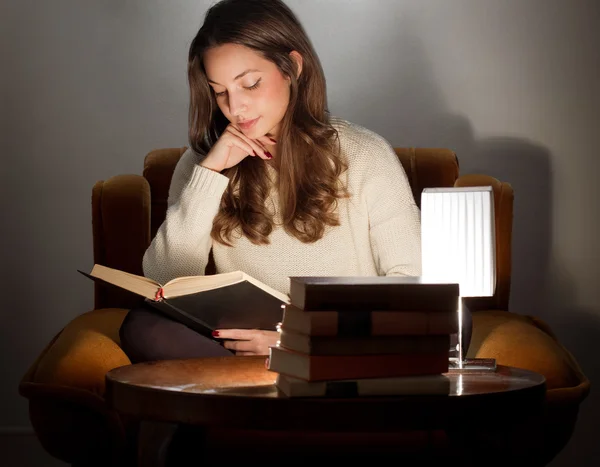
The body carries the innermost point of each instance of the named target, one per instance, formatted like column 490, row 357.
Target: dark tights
column 147, row 335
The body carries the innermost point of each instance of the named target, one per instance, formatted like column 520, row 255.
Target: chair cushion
column 526, row 342
column 84, row 351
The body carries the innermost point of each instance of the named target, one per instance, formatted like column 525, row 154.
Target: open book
column 231, row 300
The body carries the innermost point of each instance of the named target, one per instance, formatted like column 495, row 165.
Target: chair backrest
column 424, row 167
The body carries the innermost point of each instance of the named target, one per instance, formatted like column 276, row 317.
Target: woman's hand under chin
column 248, row 341
column 233, row 146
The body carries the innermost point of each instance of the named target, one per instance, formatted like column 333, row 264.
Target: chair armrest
column 121, row 233
column 80, row 356
column 503, row 213
column 65, row 388
column 521, row 341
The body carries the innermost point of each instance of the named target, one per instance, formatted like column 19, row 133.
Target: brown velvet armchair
column 65, row 385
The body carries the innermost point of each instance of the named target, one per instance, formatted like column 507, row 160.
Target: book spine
column 335, row 345
column 378, row 366
column 432, row 298
column 403, row 386
column 365, row 324
column 321, row 368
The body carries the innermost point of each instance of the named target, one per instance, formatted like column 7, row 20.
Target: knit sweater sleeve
column 182, row 243
column 394, row 217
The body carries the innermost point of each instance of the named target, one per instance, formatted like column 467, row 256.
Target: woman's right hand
column 232, row 147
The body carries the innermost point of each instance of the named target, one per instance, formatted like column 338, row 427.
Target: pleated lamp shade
column 458, row 238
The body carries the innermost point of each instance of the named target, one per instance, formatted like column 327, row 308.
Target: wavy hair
column 309, row 162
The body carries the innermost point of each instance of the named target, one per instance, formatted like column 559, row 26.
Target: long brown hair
column 309, row 162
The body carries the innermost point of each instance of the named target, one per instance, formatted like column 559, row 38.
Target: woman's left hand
column 248, row 341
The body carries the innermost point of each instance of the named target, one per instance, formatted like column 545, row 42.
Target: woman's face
column 250, row 90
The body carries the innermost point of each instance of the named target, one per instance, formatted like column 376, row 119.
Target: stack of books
column 365, row 336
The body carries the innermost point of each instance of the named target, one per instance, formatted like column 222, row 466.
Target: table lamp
column 459, row 246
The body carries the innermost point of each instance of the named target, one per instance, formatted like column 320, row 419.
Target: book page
column 284, row 298
column 137, row 284
column 193, row 284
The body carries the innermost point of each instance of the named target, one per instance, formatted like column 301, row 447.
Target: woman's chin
column 259, row 130
column 254, row 133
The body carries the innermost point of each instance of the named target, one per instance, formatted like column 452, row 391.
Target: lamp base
column 472, row 364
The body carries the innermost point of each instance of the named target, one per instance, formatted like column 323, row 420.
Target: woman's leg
column 148, row 335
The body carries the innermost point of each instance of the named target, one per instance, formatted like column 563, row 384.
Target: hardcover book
column 369, row 323
column 368, row 345
column 231, row 300
column 322, row 293
column 402, row 386
column 337, row 367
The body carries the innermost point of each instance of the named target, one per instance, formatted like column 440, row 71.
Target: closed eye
column 255, row 85
column 250, row 88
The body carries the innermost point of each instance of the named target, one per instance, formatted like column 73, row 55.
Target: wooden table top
column 240, row 392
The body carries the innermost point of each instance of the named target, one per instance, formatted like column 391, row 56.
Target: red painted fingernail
column 215, row 333
column 268, row 154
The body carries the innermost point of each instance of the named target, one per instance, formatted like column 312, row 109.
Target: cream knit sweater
column 379, row 232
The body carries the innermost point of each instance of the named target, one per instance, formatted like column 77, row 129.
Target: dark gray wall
column 88, row 88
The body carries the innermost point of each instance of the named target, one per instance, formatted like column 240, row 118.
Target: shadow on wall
column 403, row 103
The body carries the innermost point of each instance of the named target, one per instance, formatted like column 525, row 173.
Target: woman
column 273, row 184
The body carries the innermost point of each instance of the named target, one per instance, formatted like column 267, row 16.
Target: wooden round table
column 238, row 393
